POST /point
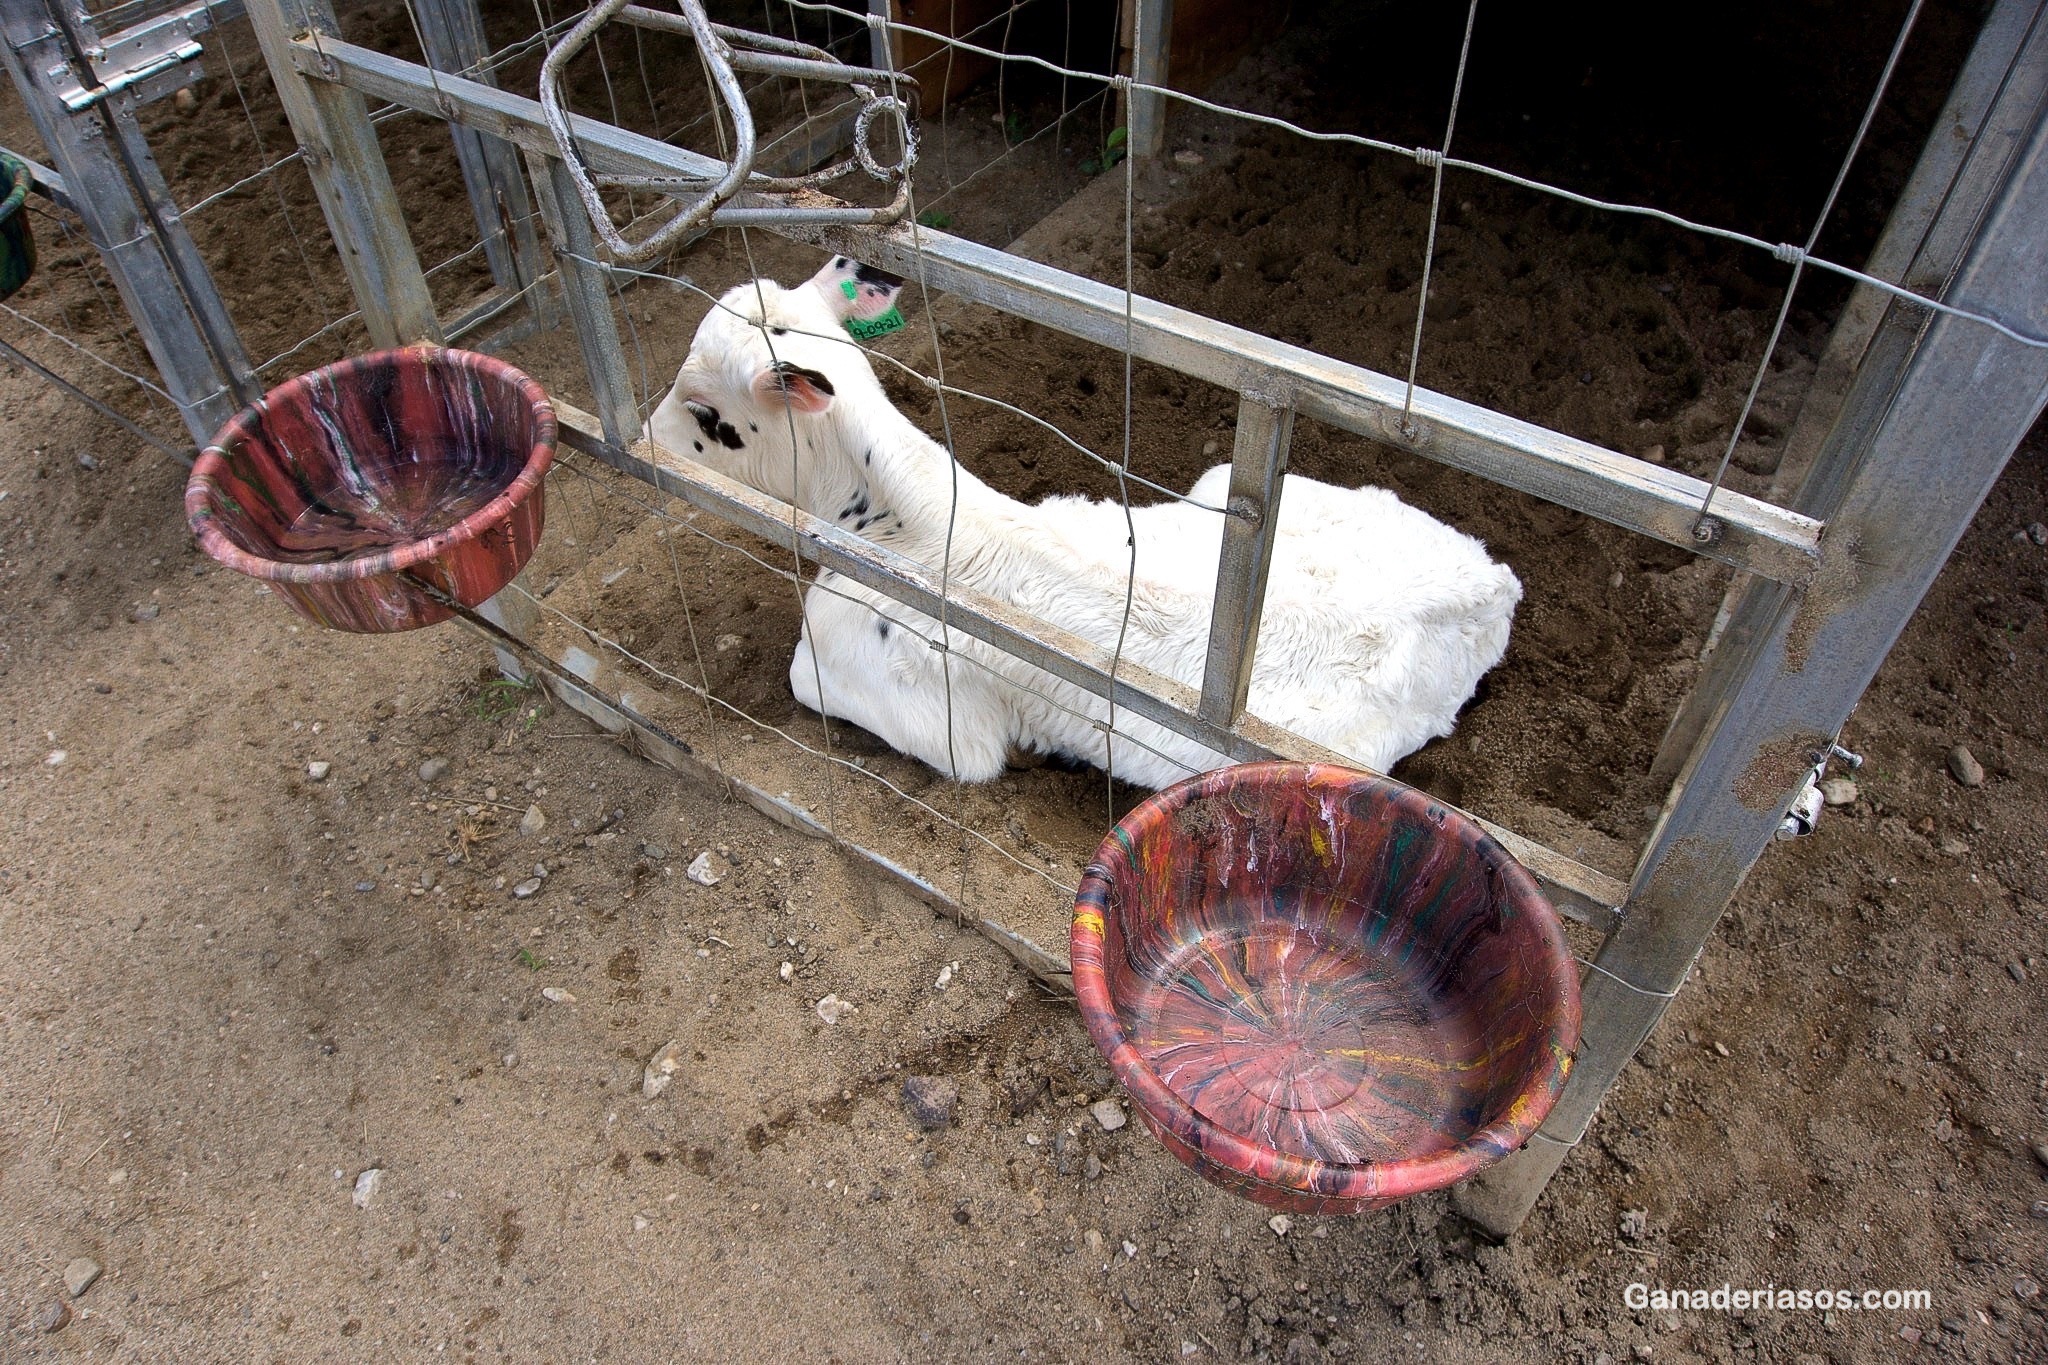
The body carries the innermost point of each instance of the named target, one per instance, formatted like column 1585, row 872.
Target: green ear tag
column 847, row 288
column 867, row 329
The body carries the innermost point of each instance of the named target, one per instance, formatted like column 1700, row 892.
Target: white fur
column 1378, row 622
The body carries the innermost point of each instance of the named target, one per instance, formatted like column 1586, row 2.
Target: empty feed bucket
column 1322, row 989
column 348, row 488
column 17, row 242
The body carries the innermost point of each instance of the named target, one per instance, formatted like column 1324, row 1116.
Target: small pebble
column 2016, row 972
column 1281, row 1224
column 640, row 1223
column 930, row 1100
column 2040, row 1151
column 945, row 978
column 661, row 1069
column 527, row 889
column 317, row 771
column 2037, row 533
column 2039, row 1208
column 147, row 612
column 1187, row 156
column 366, row 886
column 1839, row 791
column 1130, row 1250
column 55, row 758
column 533, row 822
column 87, row 460
column 1109, row 1114
column 1720, row 1048
column 1210, row 448
column 1635, row 1224
column 1964, row 767
column 1952, row 847
column 54, row 1318
column 1910, row 1335
column 81, row 1274
column 556, row 995
column 366, row 1186
column 832, row 1009
column 1092, row 1167
column 700, row 871
column 786, row 971
column 434, row 769
column 654, row 851
column 2023, row 1289
column 1093, row 1240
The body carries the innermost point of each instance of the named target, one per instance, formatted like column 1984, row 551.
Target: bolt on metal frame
column 1935, row 409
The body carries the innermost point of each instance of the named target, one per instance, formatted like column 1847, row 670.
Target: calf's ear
column 805, row 390
column 854, row 292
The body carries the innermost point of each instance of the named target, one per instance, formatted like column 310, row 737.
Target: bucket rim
column 201, row 488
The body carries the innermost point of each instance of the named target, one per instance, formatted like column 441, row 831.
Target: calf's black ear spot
column 789, row 369
column 882, row 629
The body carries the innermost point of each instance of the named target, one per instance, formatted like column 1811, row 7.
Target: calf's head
column 766, row 364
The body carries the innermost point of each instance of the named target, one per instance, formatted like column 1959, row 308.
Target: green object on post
column 17, row 243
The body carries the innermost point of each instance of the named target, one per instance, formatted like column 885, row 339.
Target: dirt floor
column 309, row 1068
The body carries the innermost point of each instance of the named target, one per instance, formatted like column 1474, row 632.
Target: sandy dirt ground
column 292, row 1063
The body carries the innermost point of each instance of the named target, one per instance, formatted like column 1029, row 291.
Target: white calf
column 1378, row 622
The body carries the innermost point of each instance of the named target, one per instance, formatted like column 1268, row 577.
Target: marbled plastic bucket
column 1324, row 990
column 342, row 486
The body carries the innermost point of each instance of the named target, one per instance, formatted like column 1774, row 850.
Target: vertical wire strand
column 1703, row 528
column 795, row 455
column 1435, row 205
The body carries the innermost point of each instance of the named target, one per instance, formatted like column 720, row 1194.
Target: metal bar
column 339, row 145
column 1994, row 105
column 881, row 49
column 453, row 34
column 205, row 14
column 1152, row 42
column 162, row 281
column 1582, row 892
column 590, row 306
column 1658, row 502
column 44, row 181
column 1945, row 428
column 1258, row 463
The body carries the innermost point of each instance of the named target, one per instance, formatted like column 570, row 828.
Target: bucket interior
column 386, row 451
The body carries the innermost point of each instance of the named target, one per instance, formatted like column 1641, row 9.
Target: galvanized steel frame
column 1919, row 449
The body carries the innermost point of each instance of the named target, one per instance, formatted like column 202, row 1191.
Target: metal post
column 1258, row 463
column 1988, row 113
column 112, row 182
column 453, row 34
column 590, row 305
column 881, row 48
column 339, row 145
column 1940, row 437
column 1151, row 38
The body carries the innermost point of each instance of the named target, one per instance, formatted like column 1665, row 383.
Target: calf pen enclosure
column 1831, row 473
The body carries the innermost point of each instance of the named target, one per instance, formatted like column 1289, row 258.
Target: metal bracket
column 1804, row 812
column 149, row 61
column 727, row 51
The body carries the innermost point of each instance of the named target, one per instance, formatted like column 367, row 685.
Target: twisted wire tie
column 1789, row 253
column 1120, row 84
column 1429, row 156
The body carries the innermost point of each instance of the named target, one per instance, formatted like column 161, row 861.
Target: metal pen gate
column 1936, row 369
